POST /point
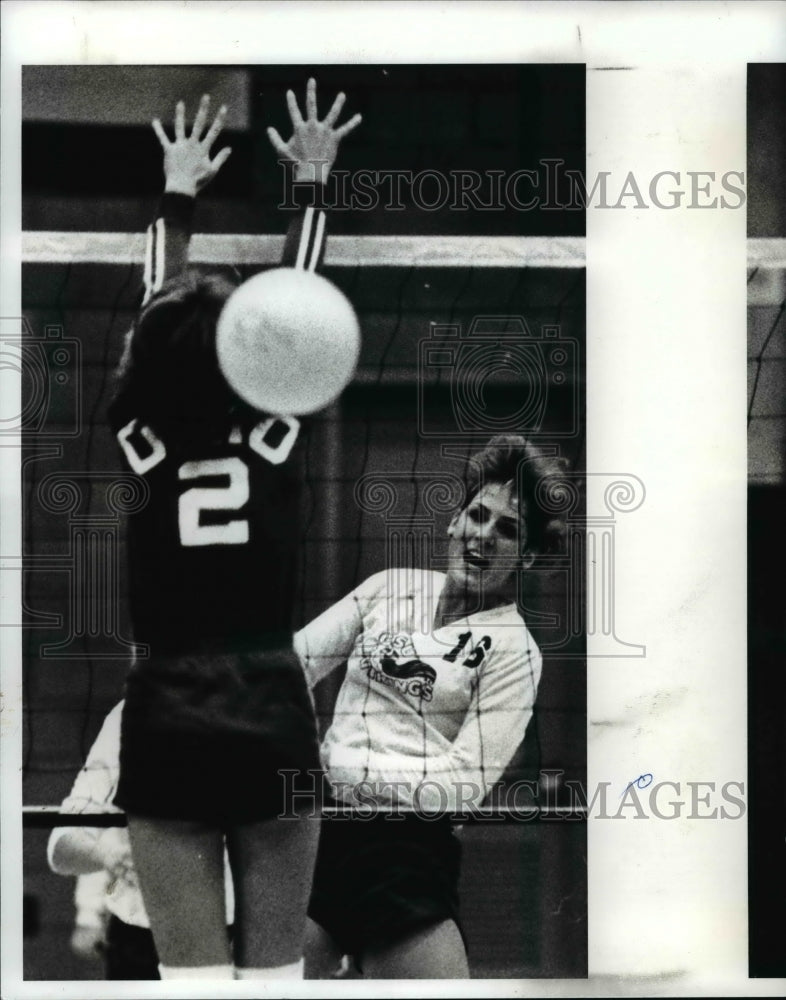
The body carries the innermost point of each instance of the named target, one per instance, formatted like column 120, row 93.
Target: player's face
column 485, row 542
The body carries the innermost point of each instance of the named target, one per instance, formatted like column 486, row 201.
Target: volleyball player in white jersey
column 424, row 724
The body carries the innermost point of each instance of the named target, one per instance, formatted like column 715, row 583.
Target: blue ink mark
column 643, row 781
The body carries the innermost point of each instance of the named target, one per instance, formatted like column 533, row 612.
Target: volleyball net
column 766, row 361
column 417, row 408
column 421, row 301
column 420, row 404
column 410, row 418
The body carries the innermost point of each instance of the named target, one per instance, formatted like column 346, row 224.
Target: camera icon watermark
column 49, row 369
column 500, row 377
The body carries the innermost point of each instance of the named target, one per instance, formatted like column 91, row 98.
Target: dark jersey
column 213, row 552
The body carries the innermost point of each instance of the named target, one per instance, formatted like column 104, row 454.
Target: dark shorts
column 206, row 737
column 130, row 951
column 379, row 880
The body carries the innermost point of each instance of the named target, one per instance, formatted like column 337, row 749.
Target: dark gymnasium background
column 92, row 164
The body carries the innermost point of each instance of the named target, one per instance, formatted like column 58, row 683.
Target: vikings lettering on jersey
column 391, row 659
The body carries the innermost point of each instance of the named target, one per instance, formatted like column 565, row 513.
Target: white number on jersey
column 264, row 443
column 199, row 498
column 131, row 437
column 271, row 439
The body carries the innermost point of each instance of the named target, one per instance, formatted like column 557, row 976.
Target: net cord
column 48, row 247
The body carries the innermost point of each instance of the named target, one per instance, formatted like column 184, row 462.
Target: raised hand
column 314, row 144
column 187, row 163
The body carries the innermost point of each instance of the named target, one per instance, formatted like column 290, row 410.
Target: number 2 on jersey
column 199, row 498
column 271, row 439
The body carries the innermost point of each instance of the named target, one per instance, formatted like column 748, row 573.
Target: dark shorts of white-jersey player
column 219, row 705
column 442, row 676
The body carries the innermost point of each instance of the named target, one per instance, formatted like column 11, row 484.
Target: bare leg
column 180, row 866
column 436, row 952
column 321, row 952
column 272, row 867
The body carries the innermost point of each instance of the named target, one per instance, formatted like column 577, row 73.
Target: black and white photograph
column 378, row 337
column 392, row 465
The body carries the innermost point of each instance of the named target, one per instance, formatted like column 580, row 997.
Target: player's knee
column 321, row 953
column 434, row 952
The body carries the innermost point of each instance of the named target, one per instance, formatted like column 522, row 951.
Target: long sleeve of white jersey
column 460, row 776
column 326, row 642
column 94, row 787
column 90, row 899
column 439, row 753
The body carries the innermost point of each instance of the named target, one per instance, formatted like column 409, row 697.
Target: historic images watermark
column 548, row 186
column 49, row 368
column 50, row 413
column 522, row 801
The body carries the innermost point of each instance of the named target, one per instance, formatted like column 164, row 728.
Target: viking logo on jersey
column 391, row 659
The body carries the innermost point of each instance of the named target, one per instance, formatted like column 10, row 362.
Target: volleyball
column 287, row 341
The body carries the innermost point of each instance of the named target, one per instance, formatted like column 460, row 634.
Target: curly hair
column 509, row 457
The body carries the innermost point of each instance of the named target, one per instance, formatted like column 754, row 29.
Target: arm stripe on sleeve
column 305, row 236
column 155, row 248
column 147, row 277
column 158, row 278
column 318, row 241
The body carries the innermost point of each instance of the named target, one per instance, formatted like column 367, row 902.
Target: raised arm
column 311, row 151
column 188, row 167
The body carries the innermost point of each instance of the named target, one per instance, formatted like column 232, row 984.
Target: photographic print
column 391, row 461
column 452, row 225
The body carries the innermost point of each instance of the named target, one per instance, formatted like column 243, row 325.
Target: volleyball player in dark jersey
column 218, row 705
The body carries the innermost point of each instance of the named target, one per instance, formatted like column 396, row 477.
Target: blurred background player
column 88, row 938
column 424, row 724
column 111, row 921
column 220, row 705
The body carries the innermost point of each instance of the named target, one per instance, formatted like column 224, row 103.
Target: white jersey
column 90, row 899
column 426, row 718
column 93, row 792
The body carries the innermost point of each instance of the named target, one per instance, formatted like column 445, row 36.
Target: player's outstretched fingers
column 158, row 128
column 332, row 116
column 311, row 99
column 218, row 123
column 294, row 111
column 220, row 159
column 201, row 117
column 278, row 144
column 347, row 128
column 180, row 120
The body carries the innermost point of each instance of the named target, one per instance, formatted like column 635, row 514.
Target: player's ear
column 453, row 523
column 527, row 559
